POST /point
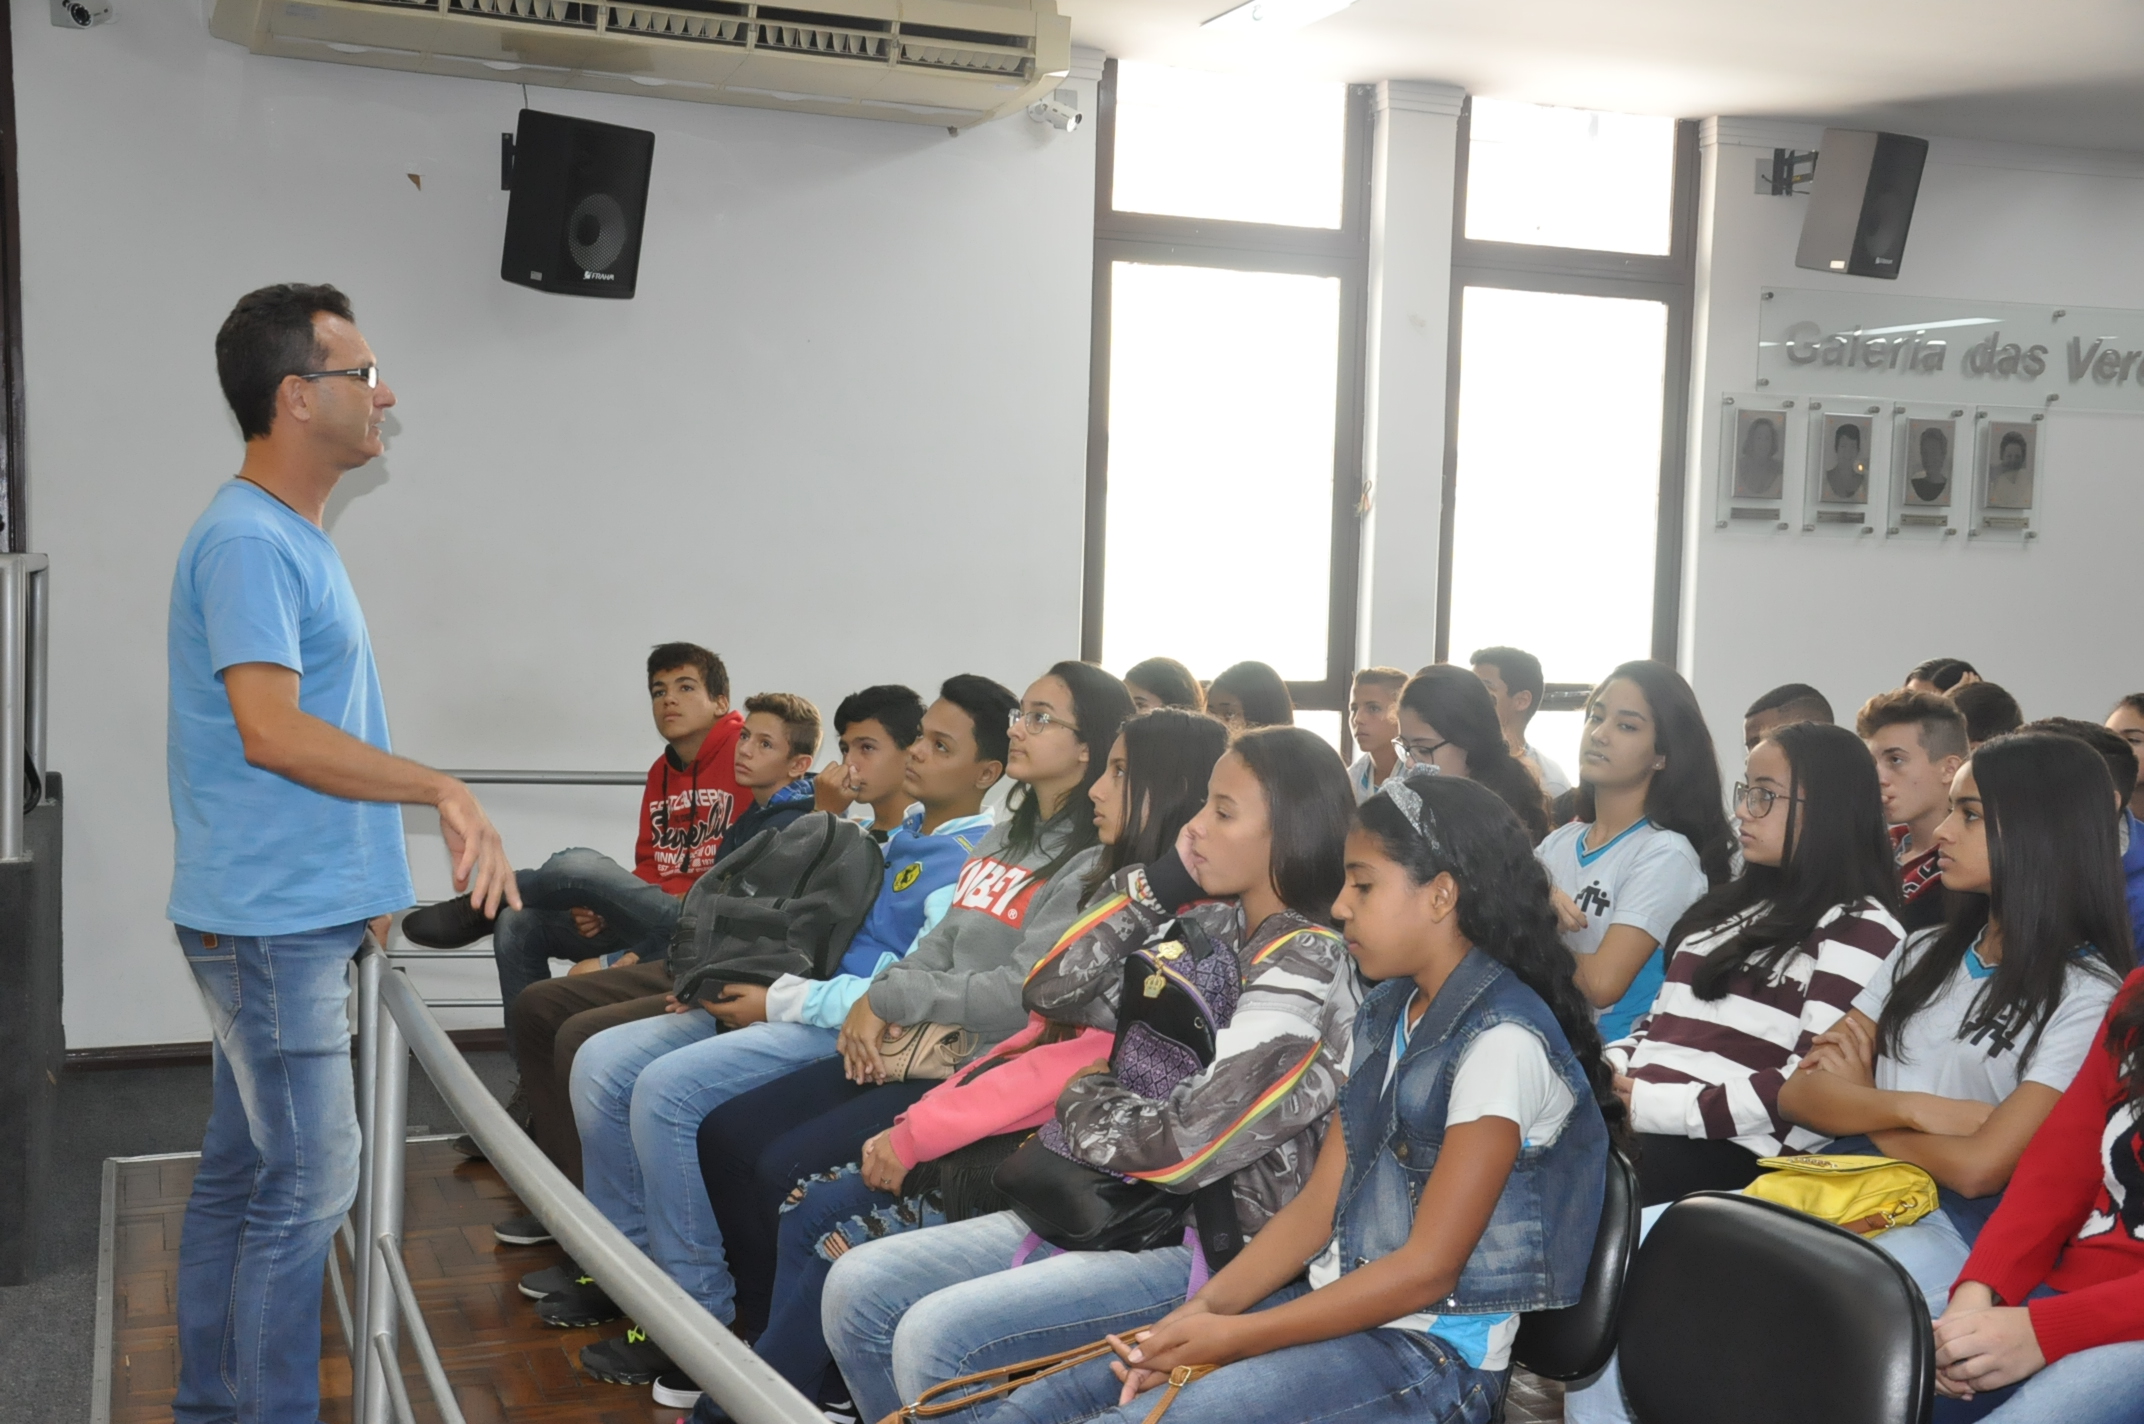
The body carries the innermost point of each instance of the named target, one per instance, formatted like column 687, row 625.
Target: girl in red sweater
column 2046, row 1322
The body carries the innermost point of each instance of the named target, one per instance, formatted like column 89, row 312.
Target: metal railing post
column 390, row 1111
column 370, row 965
column 14, row 669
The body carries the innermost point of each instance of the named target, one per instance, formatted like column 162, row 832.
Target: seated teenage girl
column 1251, row 695
column 2046, row 1322
column 1257, row 870
column 1650, row 838
column 1448, row 723
column 1461, row 1179
column 1965, row 1039
column 1154, row 783
column 1761, row 966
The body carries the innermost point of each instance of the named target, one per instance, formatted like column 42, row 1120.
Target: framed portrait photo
column 1844, row 459
column 1756, row 433
column 2007, row 473
column 1931, row 462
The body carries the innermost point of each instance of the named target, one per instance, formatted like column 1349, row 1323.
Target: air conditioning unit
column 948, row 62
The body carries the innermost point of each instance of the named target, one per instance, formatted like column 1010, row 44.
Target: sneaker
column 631, row 1358
column 553, row 1279
column 450, row 924
column 466, row 1145
column 674, row 1389
column 842, row 1413
column 579, row 1305
column 522, row 1231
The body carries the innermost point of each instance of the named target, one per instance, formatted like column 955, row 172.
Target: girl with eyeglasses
column 1254, row 875
column 1448, row 725
column 1649, row 840
column 1965, row 1039
column 1761, row 966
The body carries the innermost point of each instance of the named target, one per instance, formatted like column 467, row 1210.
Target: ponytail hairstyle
column 2054, row 890
column 1838, row 853
column 1168, row 756
column 1310, row 804
column 1099, row 706
column 1453, row 700
column 1503, row 905
column 1685, row 796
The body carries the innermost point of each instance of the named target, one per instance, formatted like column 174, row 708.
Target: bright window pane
column 1221, row 393
column 1570, row 177
column 1198, row 145
column 1558, row 486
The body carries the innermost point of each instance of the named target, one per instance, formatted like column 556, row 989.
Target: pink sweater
column 1018, row 1093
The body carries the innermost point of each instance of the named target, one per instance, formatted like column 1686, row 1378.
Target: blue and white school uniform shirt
column 1645, row 877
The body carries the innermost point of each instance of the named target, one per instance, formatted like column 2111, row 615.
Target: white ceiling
column 2027, row 71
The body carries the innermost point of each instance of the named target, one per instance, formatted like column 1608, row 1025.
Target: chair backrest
column 1740, row 1309
column 1577, row 1340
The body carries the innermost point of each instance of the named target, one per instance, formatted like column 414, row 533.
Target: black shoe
column 553, row 1279
column 466, row 1145
column 631, row 1358
column 581, row 1305
column 522, row 1231
column 674, row 1389
column 450, row 924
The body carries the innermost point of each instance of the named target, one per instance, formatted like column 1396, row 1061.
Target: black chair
column 1738, row 1309
column 1577, row 1340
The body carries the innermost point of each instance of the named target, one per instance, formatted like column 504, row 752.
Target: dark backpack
column 788, row 901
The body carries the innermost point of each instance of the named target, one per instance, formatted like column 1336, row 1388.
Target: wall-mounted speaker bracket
column 1786, row 173
column 506, row 162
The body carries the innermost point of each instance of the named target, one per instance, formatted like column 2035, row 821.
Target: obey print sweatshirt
column 968, row 968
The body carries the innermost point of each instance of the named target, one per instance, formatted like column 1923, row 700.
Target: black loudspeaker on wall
column 1861, row 202
column 580, row 194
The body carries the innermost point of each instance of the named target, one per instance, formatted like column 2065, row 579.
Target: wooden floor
column 505, row 1366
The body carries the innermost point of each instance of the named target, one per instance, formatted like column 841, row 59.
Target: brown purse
column 932, row 1404
column 926, row 1052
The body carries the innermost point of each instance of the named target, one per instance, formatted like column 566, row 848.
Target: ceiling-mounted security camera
column 1059, row 111
column 80, row 14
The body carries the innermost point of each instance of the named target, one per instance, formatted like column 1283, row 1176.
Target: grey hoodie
column 969, row 967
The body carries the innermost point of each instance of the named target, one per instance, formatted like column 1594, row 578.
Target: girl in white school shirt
column 1965, row 1039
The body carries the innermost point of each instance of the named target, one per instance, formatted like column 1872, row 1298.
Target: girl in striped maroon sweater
column 1761, row 966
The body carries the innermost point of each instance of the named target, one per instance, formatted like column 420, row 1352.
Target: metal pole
column 420, row 1335
column 14, row 663
column 390, row 1108
column 370, row 965
column 36, row 687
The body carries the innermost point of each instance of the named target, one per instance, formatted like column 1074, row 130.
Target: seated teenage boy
column 1513, row 677
column 873, row 730
column 641, row 1090
column 584, row 906
column 1373, row 719
column 552, row 1018
column 1783, row 705
column 1918, row 741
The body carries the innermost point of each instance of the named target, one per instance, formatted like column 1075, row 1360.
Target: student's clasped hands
column 1982, row 1346
column 858, row 1044
column 1191, row 1334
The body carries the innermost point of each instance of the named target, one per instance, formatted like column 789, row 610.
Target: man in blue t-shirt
column 285, row 800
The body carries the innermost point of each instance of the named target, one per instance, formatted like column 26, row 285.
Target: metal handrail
column 550, row 778
column 25, row 625
column 394, row 1022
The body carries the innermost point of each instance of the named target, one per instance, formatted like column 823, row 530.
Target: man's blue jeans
column 640, row 1091
column 278, row 1171
column 637, row 916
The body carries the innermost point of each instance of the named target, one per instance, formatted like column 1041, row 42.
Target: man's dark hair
column 1798, row 700
column 1392, row 679
column 1989, row 710
column 2113, row 748
column 1941, row 725
column 892, row 706
column 714, row 677
column 800, row 720
column 990, row 705
column 1519, row 669
column 268, row 336
column 1941, row 673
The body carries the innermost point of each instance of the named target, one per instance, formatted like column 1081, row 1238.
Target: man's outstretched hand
column 481, row 869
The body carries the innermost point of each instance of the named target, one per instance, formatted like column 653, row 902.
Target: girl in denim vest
column 1460, row 1183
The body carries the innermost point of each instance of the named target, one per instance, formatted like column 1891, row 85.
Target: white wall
column 838, row 436
column 2051, row 621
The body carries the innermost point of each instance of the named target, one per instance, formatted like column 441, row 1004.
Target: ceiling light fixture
column 1273, row 17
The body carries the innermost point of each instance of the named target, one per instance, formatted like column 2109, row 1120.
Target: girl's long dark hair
column 1503, row 906
column 1168, row 680
column 1838, row 853
column 1309, row 804
column 1168, row 757
column 1264, row 695
column 1452, row 700
column 1099, row 706
column 1685, row 796
column 2055, row 888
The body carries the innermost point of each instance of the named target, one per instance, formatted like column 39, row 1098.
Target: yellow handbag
column 1863, row 1194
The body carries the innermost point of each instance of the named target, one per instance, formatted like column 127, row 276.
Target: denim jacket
column 1534, row 1254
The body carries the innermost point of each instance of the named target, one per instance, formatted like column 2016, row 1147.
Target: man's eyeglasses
column 1757, row 800
column 370, row 375
column 1037, row 722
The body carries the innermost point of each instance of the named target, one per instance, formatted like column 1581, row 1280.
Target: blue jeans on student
column 2090, row 1387
column 278, row 1172
column 637, row 916
column 639, row 1093
column 1373, row 1375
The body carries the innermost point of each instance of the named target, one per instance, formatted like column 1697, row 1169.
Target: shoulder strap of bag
column 932, row 1403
